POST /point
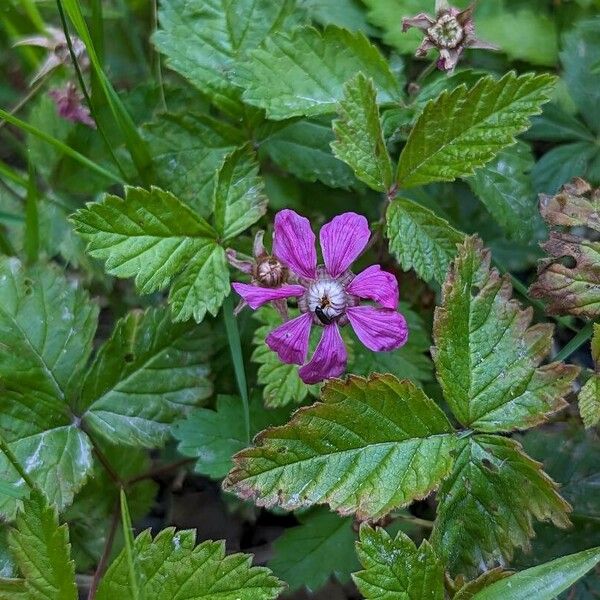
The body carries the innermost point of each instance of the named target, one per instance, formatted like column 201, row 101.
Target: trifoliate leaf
column 557, row 125
column 302, row 148
column 580, row 54
column 214, row 436
column 463, row 129
column 282, row 383
column 421, row 240
column 505, row 187
column 239, row 194
column 124, row 396
column 42, row 551
column 359, row 138
column 486, row 354
column 321, row 546
column 216, row 36
column 171, row 567
column 544, row 582
column 487, row 505
column 152, row 236
column 46, row 328
column 370, row 446
column 395, row 569
column 305, row 73
column 409, row 362
column 187, row 149
column 571, row 288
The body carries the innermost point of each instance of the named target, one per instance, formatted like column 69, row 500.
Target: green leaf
column 46, row 328
column 370, row 446
column 543, row 582
column 42, row 551
column 505, row 188
column 349, row 14
column 214, row 436
column 302, row 147
column 421, row 240
column 581, row 52
column 126, row 399
column 322, row 545
column 561, row 164
column 412, row 361
column 187, row 149
column 556, row 125
column 202, row 287
column 217, row 36
column 487, row 505
column 171, row 567
column 395, row 569
column 282, row 383
column 305, row 74
column 239, row 194
column 589, row 401
column 468, row 591
column 13, row 589
column 521, row 31
column 152, row 236
column 359, row 138
column 463, row 129
column 487, row 356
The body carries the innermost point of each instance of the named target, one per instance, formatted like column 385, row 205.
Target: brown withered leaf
column 571, row 288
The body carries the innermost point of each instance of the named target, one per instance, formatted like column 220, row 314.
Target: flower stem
column 581, row 338
column 235, row 347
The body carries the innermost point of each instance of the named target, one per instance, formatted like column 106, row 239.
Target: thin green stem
column 84, row 91
column 12, row 459
column 30, row 95
column 235, row 347
column 579, row 340
column 61, row 146
column 32, row 229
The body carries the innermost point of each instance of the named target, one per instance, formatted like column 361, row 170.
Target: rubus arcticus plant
column 199, row 401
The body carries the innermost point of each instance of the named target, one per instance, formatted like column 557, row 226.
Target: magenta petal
column 329, row 359
column 294, row 243
column 256, row 296
column 342, row 240
column 375, row 284
column 290, row 340
column 379, row 329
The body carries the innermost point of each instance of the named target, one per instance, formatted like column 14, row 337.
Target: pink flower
column 329, row 295
column 451, row 31
column 69, row 104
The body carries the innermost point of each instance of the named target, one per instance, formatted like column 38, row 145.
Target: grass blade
column 80, row 158
column 129, row 550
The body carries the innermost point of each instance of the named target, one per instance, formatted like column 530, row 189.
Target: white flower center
column 446, row 32
column 328, row 295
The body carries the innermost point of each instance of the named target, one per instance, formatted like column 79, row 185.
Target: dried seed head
column 269, row 272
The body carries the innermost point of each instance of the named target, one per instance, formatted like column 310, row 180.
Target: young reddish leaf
column 571, row 288
column 487, row 355
column 370, row 446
